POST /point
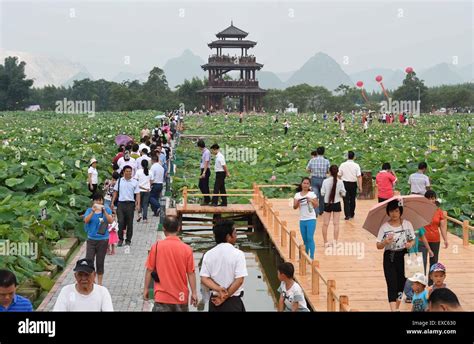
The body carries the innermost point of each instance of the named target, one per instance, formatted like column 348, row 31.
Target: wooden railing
column 186, row 194
column 465, row 228
column 296, row 251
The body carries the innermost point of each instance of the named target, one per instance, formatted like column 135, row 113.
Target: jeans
column 219, row 188
column 316, row 184
column 125, row 212
column 168, row 307
column 145, row 199
column 204, row 185
column 155, row 195
column 350, row 198
column 394, row 271
column 307, row 228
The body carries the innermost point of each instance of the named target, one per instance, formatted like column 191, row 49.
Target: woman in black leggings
column 395, row 236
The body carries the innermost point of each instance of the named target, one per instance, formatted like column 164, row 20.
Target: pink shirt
column 385, row 181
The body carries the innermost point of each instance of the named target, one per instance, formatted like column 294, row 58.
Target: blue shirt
column 205, row 157
column 319, row 166
column 128, row 189
column 418, row 234
column 93, row 226
column 19, row 304
column 420, row 301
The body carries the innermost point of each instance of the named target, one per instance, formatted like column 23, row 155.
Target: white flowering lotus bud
column 23, row 164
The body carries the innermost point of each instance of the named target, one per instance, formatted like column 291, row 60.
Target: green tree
column 410, row 88
column 14, row 87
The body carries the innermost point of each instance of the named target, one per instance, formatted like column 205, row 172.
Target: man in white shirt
column 205, row 171
column 84, row 295
column 157, row 173
column 143, row 156
column 351, row 175
column 222, row 172
column 223, row 270
column 127, row 160
column 127, row 191
column 419, row 181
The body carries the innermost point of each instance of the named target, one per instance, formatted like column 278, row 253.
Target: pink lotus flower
column 273, row 178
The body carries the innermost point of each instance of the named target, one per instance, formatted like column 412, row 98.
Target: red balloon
column 409, row 70
column 378, row 78
column 359, row 84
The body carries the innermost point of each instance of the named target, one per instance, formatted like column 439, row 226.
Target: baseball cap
column 85, row 265
column 419, row 277
column 437, row 267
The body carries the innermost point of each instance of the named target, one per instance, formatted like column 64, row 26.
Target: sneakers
column 347, row 218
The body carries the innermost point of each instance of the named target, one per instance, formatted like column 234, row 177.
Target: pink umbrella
column 417, row 209
column 123, row 139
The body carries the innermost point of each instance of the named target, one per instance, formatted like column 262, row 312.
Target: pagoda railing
column 233, row 83
column 233, row 59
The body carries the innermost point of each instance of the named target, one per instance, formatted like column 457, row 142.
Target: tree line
column 17, row 92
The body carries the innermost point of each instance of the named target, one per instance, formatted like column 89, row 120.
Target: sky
column 109, row 37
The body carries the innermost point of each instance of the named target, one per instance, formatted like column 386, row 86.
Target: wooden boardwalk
column 349, row 277
column 353, row 280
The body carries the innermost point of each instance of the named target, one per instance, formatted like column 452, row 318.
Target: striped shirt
column 19, row 304
column 318, row 166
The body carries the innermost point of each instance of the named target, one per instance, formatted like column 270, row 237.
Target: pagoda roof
column 223, row 43
column 232, row 32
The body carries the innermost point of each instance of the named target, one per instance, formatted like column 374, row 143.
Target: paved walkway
column 124, row 272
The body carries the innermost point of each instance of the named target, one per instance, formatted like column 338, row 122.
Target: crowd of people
column 140, row 171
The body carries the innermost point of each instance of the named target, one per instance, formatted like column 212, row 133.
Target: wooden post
column 292, row 244
column 314, row 277
column 302, row 261
column 270, row 217
column 185, row 197
column 330, row 297
column 275, row 222
column 283, row 237
column 343, row 301
column 465, row 233
column 264, row 203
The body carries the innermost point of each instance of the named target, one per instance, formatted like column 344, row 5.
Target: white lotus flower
column 23, row 164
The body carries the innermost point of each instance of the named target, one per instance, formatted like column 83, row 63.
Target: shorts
column 332, row 207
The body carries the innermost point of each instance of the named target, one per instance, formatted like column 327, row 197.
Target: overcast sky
column 380, row 33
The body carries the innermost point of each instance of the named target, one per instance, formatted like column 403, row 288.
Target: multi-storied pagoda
column 244, row 86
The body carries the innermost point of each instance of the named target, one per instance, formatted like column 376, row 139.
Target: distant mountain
column 320, row 70
column 46, row 70
column 78, row 76
column 467, row 72
column 183, row 67
column 268, row 80
column 441, row 74
column 284, row 76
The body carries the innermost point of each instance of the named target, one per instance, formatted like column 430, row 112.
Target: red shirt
column 173, row 259
column 384, row 181
column 432, row 230
column 117, row 157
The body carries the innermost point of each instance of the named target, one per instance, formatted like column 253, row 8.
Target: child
column 420, row 296
column 437, row 275
column 419, row 235
column 109, row 188
column 113, row 236
column 291, row 295
column 286, row 125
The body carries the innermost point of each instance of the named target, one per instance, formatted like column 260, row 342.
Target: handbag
column 154, row 273
column 413, row 264
column 102, row 226
column 413, row 261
